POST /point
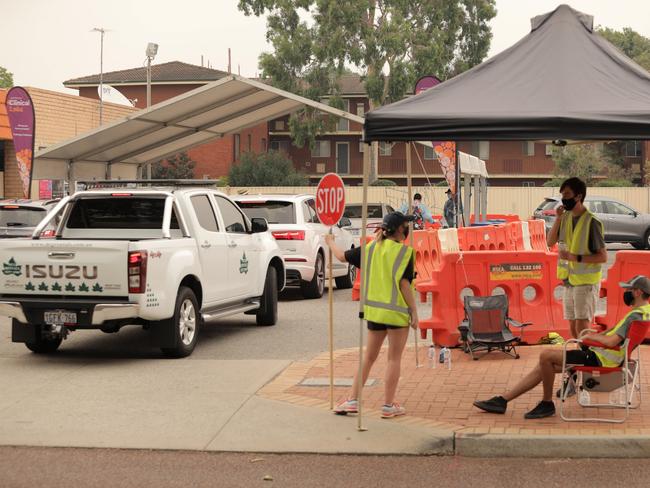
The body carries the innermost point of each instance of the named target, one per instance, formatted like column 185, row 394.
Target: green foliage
column 383, row 183
column 590, row 162
column 6, row 78
column 176, row 168
column 631, row 43
column 391, row 42
column 614, row 182
column 265, row 169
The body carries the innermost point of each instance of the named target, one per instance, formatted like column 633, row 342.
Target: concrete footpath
column 278, row 406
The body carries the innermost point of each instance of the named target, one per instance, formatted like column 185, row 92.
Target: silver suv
column 620, row 221
column 19, row 218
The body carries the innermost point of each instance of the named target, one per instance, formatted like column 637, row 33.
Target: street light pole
column 101, row 31
column 152, row 50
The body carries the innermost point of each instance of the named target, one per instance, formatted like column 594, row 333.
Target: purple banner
column 22, row 121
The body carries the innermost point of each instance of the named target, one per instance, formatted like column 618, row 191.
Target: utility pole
column 152, row 50
column 101, row 31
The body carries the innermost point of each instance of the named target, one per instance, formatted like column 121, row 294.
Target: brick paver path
column 438, row 396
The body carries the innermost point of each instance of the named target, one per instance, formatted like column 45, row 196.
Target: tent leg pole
column 409, row 185
column 457, row 182
column 362, row 288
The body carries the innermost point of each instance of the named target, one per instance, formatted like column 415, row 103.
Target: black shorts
column 582, row 358
column 376, row 326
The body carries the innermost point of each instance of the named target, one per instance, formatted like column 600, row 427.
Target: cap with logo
column 639, row 282
column 393, row 220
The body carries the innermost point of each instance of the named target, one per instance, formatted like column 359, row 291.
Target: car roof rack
column 98, row 184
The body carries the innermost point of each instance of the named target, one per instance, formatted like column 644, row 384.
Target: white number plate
column 59, row 317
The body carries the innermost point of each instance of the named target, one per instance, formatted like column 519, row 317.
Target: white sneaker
column 390, row 411
column 348, row 406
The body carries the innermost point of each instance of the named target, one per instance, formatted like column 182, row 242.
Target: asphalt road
column 29, row 467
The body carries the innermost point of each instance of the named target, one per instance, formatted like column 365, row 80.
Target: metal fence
column 501, row 200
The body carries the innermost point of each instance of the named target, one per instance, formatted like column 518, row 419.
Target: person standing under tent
column 390, row 306
column 449, row 210
column 420, row 212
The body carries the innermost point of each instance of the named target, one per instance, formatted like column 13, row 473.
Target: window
column 528, row 183
column 385, row 149
column 275, row 212
column 16, row 216
column 118, row 213
column 361, row 147
column 280, row 146
column 312, row 211
column 361, row 109
column 250, row 142
column 321, row 149
column 618, row 209
column 484, row 149
column 429, row 153
column 205, row 213
column 529, row 148
column 632, row 149
column 343, row 125
column 354, row 212
column 278, row 125
column 233, row 219
column 236, row 147
column 595, row 206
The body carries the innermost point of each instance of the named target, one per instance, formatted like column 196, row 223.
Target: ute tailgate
column 77, row 268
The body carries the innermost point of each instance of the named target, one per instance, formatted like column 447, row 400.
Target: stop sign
column 330, row 199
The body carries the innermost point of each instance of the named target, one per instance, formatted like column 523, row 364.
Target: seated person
column 636, row 296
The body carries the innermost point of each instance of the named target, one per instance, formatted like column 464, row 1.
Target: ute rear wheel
column 184, row 324
column 44, row 345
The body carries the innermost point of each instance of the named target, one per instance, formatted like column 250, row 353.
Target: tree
column 6, row 78
column 630, row 42
column 265, row 169
column 391, row 42
column 178, row 167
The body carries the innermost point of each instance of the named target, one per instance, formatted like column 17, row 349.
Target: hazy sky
column 44, row 42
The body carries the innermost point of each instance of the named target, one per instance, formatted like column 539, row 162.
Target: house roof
column 5, row 131
column 174, row 71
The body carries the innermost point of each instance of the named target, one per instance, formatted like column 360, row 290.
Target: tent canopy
column 210, row 112
column 561, row 81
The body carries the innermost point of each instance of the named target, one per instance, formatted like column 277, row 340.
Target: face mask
column 628, row 298
column 569, row 204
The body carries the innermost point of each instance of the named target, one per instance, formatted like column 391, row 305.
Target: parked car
column 166, row 258
column 295, row 225
column 19, row 218
column 376, row 213
column 621, row 223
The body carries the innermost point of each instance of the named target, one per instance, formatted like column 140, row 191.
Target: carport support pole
column 362, row 271
column 409, row 186
column 330, row 299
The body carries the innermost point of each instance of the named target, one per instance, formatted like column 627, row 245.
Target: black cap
column 639, row 282
column 394, row 219
column 448, row 190
column 417, row 196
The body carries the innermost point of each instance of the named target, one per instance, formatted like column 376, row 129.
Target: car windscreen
column 547, row 204
column 119, row 213
column 275, row 212
column 354, row 212
column 15, row 216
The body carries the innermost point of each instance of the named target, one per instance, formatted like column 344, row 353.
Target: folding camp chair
column 601, row 379
column 486, row 326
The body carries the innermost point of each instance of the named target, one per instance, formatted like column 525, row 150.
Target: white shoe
column 390, row 411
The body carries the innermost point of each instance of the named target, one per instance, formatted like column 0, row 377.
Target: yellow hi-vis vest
column 576, row 241
column 385, row 263
column 610, row 358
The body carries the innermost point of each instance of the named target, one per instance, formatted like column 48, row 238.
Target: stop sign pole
column 330, row 204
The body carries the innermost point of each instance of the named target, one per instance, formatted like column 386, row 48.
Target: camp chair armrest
column 516, row 323
column 598, row 344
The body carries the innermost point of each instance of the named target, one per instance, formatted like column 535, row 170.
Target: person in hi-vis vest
column 581, row 254
column 390, row 306
column 636, row 295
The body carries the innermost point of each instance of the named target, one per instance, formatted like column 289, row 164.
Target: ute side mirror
column 344, row 222
column 259, row 224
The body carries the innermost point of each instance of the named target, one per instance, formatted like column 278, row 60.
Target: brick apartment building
column 509, row 163
column 59, row 116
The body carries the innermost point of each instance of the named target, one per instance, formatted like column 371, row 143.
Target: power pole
column 101, row 31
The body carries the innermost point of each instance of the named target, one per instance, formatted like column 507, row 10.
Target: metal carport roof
column 198, row 116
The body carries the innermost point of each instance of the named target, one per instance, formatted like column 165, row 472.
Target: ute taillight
column 289, row 235
column 48, row 234
column 137, row 265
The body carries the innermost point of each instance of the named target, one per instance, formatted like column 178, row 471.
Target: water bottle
column 447, row 357
column 431, row 354
column 584, row 398
column 617, row 397
column 441, row 356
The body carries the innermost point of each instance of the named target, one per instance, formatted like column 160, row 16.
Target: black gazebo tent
column 561, row 81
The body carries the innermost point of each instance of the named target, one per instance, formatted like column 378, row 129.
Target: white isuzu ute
column 164, row 255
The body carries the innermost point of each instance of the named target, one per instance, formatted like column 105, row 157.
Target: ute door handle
column 61, row 255
column 232, row 244
column 205, row 244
